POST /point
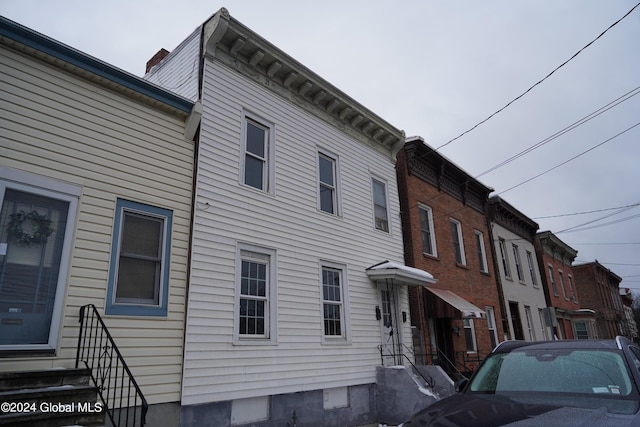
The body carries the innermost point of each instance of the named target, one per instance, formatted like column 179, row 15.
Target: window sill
column 254, row 341
column 335, row 341
column 508, row 278
column 522, row 282
column 462, row 266
column 485, row 273
column 429, row 256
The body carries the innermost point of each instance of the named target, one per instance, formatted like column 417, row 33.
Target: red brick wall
column 466, row 281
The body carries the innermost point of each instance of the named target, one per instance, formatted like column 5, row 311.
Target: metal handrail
column 121, row 396
column 403, row 354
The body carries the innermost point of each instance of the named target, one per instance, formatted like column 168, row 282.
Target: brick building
column 445, row 233
column 568, row 319
column 598, row 288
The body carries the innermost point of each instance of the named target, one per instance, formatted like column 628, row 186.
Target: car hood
column 493, row 410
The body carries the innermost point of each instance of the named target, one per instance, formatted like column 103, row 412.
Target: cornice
column 228, row 41
column 512, row 219
column 432, row 167
column 556, row 248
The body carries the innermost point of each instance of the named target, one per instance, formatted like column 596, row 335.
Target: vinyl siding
column 57, row 125
column 289, row 222
column 178, row 71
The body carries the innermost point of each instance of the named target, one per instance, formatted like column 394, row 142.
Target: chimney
column 156, row 58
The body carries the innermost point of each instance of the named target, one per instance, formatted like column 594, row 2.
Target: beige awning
column 466, row 309
column 400, row 274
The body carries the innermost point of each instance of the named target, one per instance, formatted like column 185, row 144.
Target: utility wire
column 569, row 160
column 540, row 81
column 587, row 212
column 572, row 230
column 567, row 129
column 596, row 220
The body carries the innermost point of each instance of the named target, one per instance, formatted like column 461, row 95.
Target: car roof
column 611, row 344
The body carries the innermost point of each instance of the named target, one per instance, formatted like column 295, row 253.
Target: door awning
column 400, row 274
column 464, row 308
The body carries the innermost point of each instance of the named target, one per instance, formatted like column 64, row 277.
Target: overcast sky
column 435, row 69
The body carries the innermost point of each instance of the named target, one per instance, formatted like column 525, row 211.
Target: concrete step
column 49, row 398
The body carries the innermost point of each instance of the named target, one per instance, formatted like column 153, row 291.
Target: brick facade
column 598, row 288
column 426, row 179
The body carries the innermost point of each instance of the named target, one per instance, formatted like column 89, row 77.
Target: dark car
column 552, row 383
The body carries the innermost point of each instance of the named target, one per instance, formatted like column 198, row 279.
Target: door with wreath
column 32, row 228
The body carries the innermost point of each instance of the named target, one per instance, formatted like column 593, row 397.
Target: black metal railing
column 387, row 351
column 121, row 396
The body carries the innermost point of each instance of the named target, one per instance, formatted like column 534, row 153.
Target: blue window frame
column 140, row 259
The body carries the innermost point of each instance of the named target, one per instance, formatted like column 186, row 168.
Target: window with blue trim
column 139, row 272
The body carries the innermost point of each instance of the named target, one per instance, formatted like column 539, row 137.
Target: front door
column 391, row 343
column 33, row 226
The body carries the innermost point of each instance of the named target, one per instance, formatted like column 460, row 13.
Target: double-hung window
column 334, row 304
column 554, row 287
column 516, row 257
column 328, row 183
column 380, row 205
column 561, row 280
column 532, row 270
column 482, row 255
column 470, row 335
column 572, row 289
column 491, row 323
column 426, row 230
column 527, row 313
column 255, row 294
column 458, row 246
column 139, row 273
column 504, row 257
column 258, row 155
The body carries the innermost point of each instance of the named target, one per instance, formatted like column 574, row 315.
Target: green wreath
column 40, row 224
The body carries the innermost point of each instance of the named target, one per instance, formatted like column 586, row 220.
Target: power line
column 621, row 210
column 574, row 229
column 536, row 84
column 573, row 158
column 586, row 212
column 603, row 244
column 567, row 129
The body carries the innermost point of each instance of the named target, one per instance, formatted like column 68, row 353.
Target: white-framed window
column 328, row 183
column 426, row 230
column 532, row 270
column 470, row 335
column 255, row 301
column 552, row 280
column 491, row 323
column 258, row 147
column 581, row 330
column 527, row 314
column 572, row 288
column 458, row 246
column 482, row 254
column 516, row 257
column 502, row 246
column 380, row 204
column 561, row 283
column 139, row 274
column 335, row 305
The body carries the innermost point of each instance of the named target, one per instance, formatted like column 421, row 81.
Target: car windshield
column 583, row 378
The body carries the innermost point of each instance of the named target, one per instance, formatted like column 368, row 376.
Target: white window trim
column 504, row 257
column 472, row 327
column 491, row 319
column 270, row 152
column 345, row 338
column 432, row 233
column 518, row 262
column 337, row 186
column 373, row 203
column 271, row 319
column 530, row 329
column 532, row 270
column 561, row 283
column 552, row 282
column 31, row 183
column 484, row 268
column 572, row 288
column 463, row 257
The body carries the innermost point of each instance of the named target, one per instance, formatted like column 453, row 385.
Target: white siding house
column 522, row 289
column 91, row 159
column 296, row 198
